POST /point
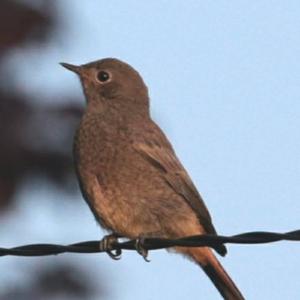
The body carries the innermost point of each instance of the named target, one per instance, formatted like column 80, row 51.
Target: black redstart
column 129, row 173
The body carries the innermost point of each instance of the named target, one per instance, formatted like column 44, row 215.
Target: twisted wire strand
column 257, row 237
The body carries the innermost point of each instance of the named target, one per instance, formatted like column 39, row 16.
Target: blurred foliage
column 31, row 144
column 53, row 283
column 20, row 22
column 26, row 146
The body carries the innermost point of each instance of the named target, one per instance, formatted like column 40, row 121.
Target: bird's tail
column 214, row 270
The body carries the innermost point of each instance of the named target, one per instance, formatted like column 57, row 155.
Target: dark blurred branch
column 20, row 22
column 57, row 282
column 32, row 140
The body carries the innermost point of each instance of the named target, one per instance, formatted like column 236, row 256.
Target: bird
column 129, row 173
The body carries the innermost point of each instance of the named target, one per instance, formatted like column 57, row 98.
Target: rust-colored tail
column 214, row 270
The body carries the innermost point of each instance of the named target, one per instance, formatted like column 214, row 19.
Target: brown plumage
column 129, row 173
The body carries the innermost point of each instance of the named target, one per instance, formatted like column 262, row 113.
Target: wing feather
column 165, row 160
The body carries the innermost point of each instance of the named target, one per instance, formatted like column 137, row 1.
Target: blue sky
column 224, row 85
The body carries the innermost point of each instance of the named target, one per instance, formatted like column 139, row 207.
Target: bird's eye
column 103, row 76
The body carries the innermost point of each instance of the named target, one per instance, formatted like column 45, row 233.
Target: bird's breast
column 94, row 145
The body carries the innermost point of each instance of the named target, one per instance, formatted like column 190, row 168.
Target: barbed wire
column 213, row 241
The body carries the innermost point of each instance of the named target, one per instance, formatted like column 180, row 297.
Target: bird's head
column 111, row 83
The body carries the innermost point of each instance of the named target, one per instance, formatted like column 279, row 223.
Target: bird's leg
column 140, row 243
column 140, row 247
column 106, row 245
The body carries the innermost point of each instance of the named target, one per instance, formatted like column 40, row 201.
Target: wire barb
column 258, row 237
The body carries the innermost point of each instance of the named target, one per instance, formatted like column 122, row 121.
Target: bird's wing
column 164, row 159
column 155, row 148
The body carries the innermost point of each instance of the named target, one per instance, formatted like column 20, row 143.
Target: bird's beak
column 73, row 68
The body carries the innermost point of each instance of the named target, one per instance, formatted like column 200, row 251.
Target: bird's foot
column 140, row 248
column 107, row 243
